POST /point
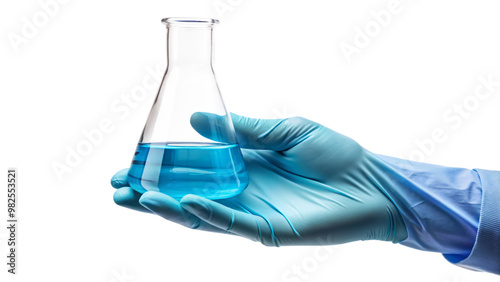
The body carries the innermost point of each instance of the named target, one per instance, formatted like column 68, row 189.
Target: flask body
column 188, row 145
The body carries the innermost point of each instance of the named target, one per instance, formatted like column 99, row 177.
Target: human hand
column 309, row 185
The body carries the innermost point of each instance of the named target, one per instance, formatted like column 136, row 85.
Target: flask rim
column 187, row 21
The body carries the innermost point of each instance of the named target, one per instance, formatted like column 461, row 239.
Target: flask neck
column 189, row 46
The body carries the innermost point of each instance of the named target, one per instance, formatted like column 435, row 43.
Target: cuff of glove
column 485, row 254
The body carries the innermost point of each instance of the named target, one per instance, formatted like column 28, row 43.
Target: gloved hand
column 309, row 185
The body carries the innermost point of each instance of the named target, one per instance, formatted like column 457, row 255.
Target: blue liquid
column 210, row 170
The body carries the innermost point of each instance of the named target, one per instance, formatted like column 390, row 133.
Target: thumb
column 253, row 133
column 272, row 134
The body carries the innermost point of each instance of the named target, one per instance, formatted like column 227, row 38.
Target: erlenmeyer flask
column 188, row 145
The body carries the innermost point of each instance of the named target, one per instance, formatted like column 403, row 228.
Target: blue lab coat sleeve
column 485, row 254
column 454, row 211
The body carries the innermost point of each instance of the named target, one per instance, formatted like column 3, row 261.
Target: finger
column 251, row 133
column 120, row 179
column 213, row 126
column 237, row 222
column 170, row 209
column 129, row 198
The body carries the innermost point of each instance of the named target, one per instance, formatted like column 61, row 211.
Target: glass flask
column 188, row 145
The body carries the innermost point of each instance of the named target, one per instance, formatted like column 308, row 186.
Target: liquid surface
column 210, row 170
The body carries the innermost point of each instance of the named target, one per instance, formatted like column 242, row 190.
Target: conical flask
column 188, row 145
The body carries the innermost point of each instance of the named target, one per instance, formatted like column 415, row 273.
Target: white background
column 273, row 59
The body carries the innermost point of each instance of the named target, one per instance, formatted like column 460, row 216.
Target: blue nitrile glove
column 310, row 185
